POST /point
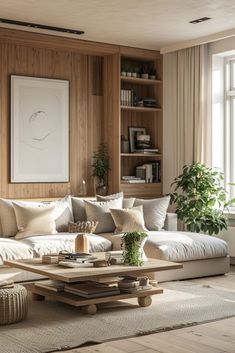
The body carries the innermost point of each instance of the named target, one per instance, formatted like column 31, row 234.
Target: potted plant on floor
column 132, row 245
column 200, row 199
column 100, row 169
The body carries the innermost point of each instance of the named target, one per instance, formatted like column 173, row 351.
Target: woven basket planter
column 13, row 304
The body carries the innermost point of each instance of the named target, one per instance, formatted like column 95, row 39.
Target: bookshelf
column 133, row 115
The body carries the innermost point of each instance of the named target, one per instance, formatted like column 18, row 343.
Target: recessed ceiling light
column 37, row 25
column 199, row 20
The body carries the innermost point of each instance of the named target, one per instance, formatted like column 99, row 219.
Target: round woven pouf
column 13, row 304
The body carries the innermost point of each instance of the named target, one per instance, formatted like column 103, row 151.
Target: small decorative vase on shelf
column 133, row 248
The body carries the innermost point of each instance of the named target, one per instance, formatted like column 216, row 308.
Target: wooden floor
column 213, row 337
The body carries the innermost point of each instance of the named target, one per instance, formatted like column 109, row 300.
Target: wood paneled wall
column 86, row 110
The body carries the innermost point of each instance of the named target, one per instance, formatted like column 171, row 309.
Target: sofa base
column 195, row 269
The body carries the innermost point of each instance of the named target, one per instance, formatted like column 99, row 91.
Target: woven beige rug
column 52, row 326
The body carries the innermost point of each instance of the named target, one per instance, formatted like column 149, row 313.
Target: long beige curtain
column 187, row 117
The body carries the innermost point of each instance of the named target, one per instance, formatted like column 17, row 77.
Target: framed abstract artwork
column 39, row 130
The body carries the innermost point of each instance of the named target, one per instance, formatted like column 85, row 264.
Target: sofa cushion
column 46, row 244
column 13, row 250
column 34, row 220
column 100, row 211
column 63, row 214
column 154, row 211
column 129, row 219
column 184, row 246
column 127, row 202
column 79, row 211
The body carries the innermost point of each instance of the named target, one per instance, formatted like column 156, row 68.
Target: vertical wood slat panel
column 85, row 114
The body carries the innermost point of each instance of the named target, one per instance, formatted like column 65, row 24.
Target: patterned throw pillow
column 82, row 226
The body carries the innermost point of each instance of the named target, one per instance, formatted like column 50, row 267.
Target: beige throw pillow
column 34, row 220
column 128, row 220
column 100, row 212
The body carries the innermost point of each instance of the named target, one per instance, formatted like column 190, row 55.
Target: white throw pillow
column 34, row 220
column 129, row 220
column 127, row 202
column 100, row 211
column 63, row 214
column 154, row 211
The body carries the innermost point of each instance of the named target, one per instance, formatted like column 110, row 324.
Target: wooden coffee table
column 73, row 275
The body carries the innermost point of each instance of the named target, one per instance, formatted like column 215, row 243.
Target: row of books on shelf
column 147, row 173
column 128, row 97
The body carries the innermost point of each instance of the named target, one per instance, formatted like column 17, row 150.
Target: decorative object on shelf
column 101, row 263
column 129, row 72
column 82, row 244
column 132, row 244
column 200, row 199
column 142, row 141
column 145, row 72
column 82, row 188
column 125, row 145
column 100, row 169
column 133, row 132
column 39, row 130
column 152, row 73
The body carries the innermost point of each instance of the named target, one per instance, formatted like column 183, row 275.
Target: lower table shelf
column 144, row 297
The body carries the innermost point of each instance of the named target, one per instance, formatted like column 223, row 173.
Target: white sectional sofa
column 200, row 254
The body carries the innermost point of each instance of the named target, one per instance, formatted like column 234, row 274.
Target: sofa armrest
column 171, row 222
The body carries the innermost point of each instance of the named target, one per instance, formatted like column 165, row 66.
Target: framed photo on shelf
column 39, row 130
column 133, row 132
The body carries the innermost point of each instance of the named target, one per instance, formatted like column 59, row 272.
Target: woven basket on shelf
column 13, row 304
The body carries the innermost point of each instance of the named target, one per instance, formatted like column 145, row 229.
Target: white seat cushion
column 13, row 250
column 46, row 244
column 184, row 246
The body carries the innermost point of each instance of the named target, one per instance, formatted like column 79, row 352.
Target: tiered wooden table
column 74, row 275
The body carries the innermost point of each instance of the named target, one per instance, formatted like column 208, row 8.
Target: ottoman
column 13, row 304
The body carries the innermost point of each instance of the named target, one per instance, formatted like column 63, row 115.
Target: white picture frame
column 39, row 130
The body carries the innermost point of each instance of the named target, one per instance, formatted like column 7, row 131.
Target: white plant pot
column 134, row 74
column 146, row 76
column 128, row 74
column 123, row 73
column 152, row 77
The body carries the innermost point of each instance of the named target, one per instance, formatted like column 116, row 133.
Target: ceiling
column 150, row 24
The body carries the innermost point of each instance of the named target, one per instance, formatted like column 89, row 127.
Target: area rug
column 52, row 326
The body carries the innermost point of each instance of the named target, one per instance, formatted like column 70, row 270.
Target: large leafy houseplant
column 100, row 168
column 200, row 199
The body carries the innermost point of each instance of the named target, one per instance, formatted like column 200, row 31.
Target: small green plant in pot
column 101, row 168
column 132, row 245
column 200, row 199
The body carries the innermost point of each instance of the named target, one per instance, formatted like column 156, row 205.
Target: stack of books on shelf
column 128, row 97
column 150, row 172
column 91, row 290
column 147, row 151
column 131, row 179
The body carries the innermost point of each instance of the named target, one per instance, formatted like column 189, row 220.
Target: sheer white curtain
column 187, row 117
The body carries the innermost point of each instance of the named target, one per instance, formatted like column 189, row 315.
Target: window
column 223, row 118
